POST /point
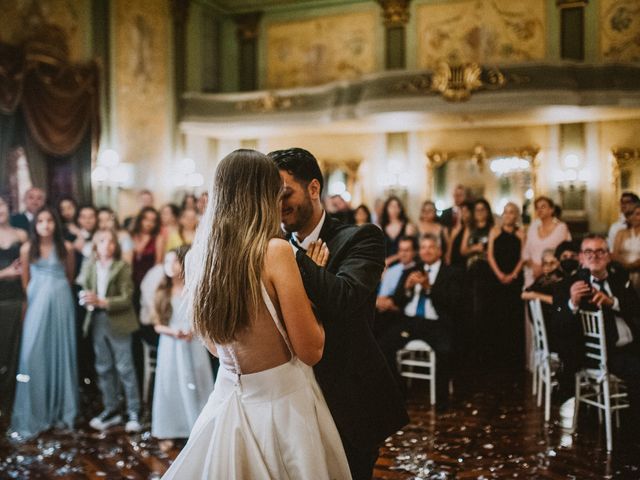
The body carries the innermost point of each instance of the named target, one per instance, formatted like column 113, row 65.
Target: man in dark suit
column 601, row 284
column 428, row 295
column 451, row 216
column 34, row 200
column 357, row 384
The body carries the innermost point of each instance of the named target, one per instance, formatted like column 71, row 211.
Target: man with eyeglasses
column 601, row 284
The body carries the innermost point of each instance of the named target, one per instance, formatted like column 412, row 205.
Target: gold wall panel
column 72, row 16
column 320, row 50
column 482, row 31
column 142, row 75
column 620, row 30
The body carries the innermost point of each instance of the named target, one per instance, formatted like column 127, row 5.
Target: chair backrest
column 539, row 330
column 594, row 339
column 417, row 345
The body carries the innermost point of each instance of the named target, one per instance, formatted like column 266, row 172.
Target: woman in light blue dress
column 184, row 378
column 47, row 388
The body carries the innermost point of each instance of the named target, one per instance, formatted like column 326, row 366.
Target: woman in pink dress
column 547, row 233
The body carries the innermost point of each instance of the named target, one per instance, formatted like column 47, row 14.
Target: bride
column 266, row 418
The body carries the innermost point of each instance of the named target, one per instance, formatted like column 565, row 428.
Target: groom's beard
column 297, row 216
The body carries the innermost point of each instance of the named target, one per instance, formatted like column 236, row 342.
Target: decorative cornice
column 502, row 88
column 269, row 102
column 248, row 26
column 456, row 82
column 395, row 13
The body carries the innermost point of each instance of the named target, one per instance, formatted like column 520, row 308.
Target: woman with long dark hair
column 47, row 387
column 267, row 417
column 395, row 224
column 147, row 247
column 474, row 245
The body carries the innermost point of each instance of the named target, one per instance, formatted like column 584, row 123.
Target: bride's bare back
column 261, row 346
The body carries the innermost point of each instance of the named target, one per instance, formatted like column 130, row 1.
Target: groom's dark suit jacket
column 359, row 388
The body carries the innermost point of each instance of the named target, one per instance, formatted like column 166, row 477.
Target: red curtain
column 59, row 101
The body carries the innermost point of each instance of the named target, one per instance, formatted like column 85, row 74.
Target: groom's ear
column 314, row 189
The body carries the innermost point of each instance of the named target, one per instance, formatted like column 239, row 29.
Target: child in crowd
column 47, row 382
column 107, row 294
column 184, row 379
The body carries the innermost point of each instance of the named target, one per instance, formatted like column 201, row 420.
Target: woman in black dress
column 505, row 320
column 11, row 300
column 395, row 225
column 474, row 248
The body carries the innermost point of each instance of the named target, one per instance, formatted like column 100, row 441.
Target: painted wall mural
column 482, row 31
column 72, row 16
column 620, row 30
column 320, row 50
column 142, row 80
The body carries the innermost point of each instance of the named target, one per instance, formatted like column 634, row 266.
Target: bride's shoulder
column 278, row 248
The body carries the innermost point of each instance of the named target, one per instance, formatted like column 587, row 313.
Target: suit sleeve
column 563, row 316
column 357, row 277
column 400, row 297
column 122, row 300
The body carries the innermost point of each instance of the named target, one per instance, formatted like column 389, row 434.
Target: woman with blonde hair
column 267, row 417
column 506, row 323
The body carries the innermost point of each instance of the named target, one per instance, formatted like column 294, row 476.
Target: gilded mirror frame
column 480, row 156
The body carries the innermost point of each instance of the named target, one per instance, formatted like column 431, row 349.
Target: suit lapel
column 116, row 266
column 328, row 235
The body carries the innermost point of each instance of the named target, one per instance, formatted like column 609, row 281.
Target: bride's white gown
column 273, row 424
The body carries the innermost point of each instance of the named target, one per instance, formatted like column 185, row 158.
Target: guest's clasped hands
column 415, row 278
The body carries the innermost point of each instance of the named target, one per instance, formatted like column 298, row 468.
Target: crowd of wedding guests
column 459, row 279
column 99, row 296
column 102, row 292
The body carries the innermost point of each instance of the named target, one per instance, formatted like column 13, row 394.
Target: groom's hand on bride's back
column 318, row 252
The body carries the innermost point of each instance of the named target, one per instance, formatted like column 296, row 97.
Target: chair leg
column 534, row 382
column 574, row 424
column 432, row 384
column 540, row 386
column 607, row 414
column 547, row 396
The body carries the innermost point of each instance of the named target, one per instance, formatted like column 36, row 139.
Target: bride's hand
column 319, row 253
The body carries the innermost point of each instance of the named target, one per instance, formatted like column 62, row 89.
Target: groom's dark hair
column 300, row 163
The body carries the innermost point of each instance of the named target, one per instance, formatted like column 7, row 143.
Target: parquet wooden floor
column 492, row 429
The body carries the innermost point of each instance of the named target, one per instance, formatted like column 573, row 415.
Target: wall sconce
column 572, row 185
column 509, row 165
column 185, row 175
column 109, row 175
column 395, row 176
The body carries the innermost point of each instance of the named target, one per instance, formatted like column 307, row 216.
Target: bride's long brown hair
column 224, row 266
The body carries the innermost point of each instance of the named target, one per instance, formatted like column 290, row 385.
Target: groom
column 355, row 379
